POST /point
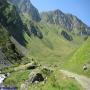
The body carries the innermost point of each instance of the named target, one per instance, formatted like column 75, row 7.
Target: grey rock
column 36, row 76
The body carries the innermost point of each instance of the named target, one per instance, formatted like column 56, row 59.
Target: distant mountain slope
column 25, row 7
column 68, row 21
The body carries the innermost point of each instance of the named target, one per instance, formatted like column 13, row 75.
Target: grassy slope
column 53, row 48
column 55, row 82
column 80, row 57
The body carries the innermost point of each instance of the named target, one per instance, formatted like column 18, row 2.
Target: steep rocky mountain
column 8, row 51
column 68, row 21
column 25, row 7
column 10, row 19
column 57, row 17
column 12, row 31
column 10, row 26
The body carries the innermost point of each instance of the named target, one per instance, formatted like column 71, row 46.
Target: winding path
column 82, row 80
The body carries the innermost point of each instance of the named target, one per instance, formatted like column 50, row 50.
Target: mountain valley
column 41, row 42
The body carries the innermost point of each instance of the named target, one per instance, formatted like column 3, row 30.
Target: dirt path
column 82, row 80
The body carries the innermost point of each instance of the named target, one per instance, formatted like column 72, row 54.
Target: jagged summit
column 68, row 21
column 26, row 7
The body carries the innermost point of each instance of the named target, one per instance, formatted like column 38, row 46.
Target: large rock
column 86, row 66
column 36, row 76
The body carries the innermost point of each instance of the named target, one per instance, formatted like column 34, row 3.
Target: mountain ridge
column 56, row 17
column 68, row 21
column 25, row 7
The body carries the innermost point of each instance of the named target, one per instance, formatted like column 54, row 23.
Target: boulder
column 36, row 77
column 86, row 66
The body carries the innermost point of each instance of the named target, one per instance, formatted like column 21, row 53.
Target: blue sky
column 79, row 8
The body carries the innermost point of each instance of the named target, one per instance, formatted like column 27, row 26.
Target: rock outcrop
column 36, row 76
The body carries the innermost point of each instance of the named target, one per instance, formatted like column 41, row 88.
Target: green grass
column 17, row 78
column 57, row 82
column 79, row 58
column 53, row 48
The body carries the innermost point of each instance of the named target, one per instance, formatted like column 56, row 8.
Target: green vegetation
column 79, row 59
column 47, row 44
column 57, row 82
column 4, row 36
column 16, row 78
column 53, row 48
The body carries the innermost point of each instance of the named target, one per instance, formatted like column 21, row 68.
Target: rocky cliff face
column 11, row 20
column 26, row 7
column 10, row 26
column 67, row 21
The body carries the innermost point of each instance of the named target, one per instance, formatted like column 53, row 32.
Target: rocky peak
column 67, row 21
column 26, row 7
